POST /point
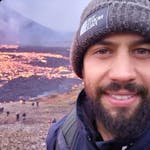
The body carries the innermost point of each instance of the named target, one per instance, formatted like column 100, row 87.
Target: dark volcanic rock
column 64, row 51
column 50, row 62
column 34, row 86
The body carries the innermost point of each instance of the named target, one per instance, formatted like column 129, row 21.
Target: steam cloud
column 17, row 29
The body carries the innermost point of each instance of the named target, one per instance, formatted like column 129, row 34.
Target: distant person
column 32, row 103
column 17, row 117
column 1, row 110
column 22, row 101
column 24, row 116
column 37, row 104
column 111, row 54
column 7, row 113
column 54, row 120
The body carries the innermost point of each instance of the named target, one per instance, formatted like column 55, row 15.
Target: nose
column 122, row 69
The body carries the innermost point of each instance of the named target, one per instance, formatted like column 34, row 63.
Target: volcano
column 17, row 29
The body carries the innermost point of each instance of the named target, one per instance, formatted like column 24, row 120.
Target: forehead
column 123, row 36
column 130, row 39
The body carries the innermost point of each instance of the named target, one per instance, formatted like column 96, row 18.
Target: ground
column 29, row 132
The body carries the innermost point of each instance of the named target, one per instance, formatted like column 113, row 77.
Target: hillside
column 29, row 133
column 31, row 72
column 17, row 29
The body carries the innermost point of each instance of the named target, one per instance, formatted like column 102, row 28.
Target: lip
column 121, row 99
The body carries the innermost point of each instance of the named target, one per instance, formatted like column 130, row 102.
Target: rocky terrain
column 37, row 87
column 28, row 132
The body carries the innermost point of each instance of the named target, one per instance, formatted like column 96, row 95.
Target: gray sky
column 61, row 15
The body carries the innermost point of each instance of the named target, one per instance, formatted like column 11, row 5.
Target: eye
column 103, row 51
column 142, row 52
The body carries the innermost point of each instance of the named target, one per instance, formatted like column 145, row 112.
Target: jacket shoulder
column 53, row 133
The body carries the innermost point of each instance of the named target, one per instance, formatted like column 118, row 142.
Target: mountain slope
column 17, row 29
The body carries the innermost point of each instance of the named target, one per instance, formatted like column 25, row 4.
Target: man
column 111, row 54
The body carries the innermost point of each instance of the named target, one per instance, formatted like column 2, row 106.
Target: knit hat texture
column 103, row 17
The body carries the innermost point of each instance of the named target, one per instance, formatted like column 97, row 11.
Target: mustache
column 131, row 87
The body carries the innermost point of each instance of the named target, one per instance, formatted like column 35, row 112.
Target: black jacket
column 77, row 132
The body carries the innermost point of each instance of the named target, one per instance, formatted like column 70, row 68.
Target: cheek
column 90, row 80
column 93, row 76
column 143, row 75
column 94, row 70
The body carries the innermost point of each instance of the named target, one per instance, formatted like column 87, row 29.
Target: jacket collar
column 85, row 115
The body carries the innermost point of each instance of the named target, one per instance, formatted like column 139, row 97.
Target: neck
column 106, row 135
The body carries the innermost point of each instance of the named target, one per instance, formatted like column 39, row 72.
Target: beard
column 120, row 126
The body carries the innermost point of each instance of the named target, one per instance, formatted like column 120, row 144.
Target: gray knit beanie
column 102, row 17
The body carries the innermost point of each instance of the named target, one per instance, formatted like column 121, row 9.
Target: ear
column 83, row 71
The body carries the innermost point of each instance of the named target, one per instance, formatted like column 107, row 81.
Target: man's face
column 116, row 75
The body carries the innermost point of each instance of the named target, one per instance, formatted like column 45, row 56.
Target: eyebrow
column 143, row 41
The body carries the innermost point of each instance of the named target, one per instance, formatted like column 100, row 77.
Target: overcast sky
column 61, row 15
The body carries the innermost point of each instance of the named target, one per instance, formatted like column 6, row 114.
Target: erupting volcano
column 34, row 59
column 29, row 72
